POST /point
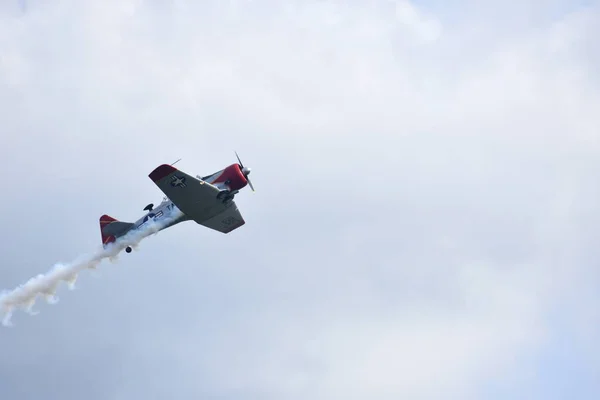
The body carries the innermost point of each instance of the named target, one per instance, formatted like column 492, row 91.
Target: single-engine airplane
column 206, row 200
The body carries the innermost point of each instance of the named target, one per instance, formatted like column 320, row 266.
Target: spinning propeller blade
column 245, row 171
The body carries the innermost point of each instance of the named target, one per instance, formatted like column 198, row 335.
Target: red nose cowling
column 233, row 176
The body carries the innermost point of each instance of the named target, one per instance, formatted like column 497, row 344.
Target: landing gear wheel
column 128, row 249
column 222, row 194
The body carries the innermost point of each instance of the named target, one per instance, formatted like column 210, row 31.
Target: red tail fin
column 104, row 221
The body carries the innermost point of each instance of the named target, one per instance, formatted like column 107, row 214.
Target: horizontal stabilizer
column 111, row 229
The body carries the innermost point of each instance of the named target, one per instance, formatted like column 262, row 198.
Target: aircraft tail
column 111, row 228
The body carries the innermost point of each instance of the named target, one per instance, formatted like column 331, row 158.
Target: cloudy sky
column 426, row 218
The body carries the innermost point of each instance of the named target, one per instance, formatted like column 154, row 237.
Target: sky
column 425, row 219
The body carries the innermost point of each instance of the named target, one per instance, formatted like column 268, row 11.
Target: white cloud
column 424, row 195
column 426, row 28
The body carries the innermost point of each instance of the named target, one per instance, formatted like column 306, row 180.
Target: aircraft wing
column 227, row 221
column 197, row 199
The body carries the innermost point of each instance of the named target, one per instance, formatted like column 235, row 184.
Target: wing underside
column 197, row 199
column 226, row 221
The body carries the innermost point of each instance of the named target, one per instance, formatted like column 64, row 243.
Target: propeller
column 245, row 170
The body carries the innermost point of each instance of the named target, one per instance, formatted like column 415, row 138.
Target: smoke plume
column 45, row 285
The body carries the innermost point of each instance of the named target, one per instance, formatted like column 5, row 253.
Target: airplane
column 206, row 200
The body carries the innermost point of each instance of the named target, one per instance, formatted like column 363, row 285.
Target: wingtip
column 161, row 171
column 234, row 227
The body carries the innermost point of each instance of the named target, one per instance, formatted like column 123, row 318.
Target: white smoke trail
column 25, row 295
